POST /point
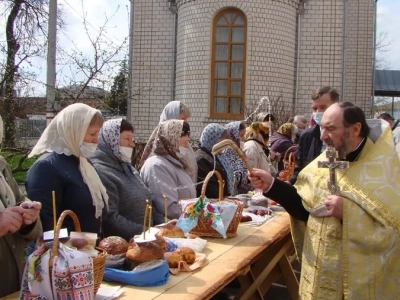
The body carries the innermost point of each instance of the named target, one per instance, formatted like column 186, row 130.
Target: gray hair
column 300, row 119
column 184, row 110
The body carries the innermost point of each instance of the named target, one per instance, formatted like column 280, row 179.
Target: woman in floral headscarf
column 126, row 191
column 237, row 132
column 257, row 135
column 163, row 170
column 282, row 140
column 211, row 135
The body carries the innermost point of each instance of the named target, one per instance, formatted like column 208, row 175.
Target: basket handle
column 54, row 248
column 287, row 151
column 220, row 185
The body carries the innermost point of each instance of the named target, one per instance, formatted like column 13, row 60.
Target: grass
column 13, row 159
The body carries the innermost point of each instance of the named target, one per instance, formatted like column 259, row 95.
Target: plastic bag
column 154, row 273
column 115, row 261
column 197, row 244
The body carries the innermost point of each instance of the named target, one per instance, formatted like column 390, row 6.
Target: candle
column 165, row 209
column 150, row 213
column 144, row 221
column 53, row 194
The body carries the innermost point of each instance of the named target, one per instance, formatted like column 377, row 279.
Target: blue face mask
column 318, row 117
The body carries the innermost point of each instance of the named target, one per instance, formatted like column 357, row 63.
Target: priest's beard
column 343, row 148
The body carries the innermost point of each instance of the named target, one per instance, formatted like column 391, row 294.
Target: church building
column 220, row 57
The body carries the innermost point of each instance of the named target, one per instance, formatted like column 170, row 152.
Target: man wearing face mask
column 126, row 191
column 310, row 144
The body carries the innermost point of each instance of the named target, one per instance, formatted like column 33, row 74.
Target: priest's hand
column 260, row 179
column 334, row 206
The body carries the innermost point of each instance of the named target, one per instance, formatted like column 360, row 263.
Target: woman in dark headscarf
column 211, row 135
column 126, row 191
column 282, row 140
column 236, row 132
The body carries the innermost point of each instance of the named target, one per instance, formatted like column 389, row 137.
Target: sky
column 389, row 22
column 96, row 12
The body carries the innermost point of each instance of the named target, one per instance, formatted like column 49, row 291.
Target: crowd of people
column 86, row 161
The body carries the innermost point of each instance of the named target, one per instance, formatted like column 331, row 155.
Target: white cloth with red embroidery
column 71, row 275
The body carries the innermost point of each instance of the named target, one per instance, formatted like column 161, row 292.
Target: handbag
column 289, row 164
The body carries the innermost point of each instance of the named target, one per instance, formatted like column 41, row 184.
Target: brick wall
column 152, row 64
column 271, row 43
column 321, row 50
column 271, row 55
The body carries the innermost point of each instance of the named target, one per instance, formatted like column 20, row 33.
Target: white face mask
column 318, row 117
column 87, row 149
column 182, row 150
column 126, row 153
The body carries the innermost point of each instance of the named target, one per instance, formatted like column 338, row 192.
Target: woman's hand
column 11, row 220
column 31, row 210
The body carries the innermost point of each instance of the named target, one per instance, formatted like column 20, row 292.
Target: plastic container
column 82, row 240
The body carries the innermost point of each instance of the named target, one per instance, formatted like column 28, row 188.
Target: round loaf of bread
column 144, row 251
column 188, row 255
column 169, row 230
column 192, row 236
column 173, row 259
column 114, row 245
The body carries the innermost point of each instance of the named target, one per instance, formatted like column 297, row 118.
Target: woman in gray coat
column 163, row 169
column 126, row 191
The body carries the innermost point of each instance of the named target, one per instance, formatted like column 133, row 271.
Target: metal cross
column 332, row 164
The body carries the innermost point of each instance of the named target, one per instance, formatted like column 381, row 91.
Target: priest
column 345, row 212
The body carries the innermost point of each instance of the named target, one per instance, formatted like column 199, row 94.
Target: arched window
column 228, row 64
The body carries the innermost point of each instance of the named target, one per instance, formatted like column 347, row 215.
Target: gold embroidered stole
column 359, row 259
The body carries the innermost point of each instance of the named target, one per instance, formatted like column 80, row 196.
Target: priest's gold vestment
column 360, row 257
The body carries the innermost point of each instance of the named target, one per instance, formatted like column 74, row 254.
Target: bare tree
column 382, row 47
column 24, row 39
column 90, row 74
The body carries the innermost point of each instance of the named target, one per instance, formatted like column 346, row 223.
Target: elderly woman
column 19, row 225
column 163, row 171
column 126, row 191
column 237, row 132
column 176, row 110
column 257, row 134
column 282, row 140
column 211, row 135
column 68, row 141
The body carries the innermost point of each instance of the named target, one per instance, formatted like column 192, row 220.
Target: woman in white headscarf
column 19, row 224
column 163, row 171
column 69, row 139
column 176, row 110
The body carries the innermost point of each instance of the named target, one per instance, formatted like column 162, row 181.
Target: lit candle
column 53, row 194
column 165, row 209
column 150, row 213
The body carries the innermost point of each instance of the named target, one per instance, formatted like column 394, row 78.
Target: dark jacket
column 60, row 173
column 205, row 164
column 280, row 143
column 127, row 195
column 12, row 246
column 310, row 146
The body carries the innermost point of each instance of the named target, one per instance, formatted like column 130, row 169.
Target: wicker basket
column 206, row 230
column 99, row 261
column 289, row 162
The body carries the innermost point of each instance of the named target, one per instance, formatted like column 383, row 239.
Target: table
column 257, row 256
